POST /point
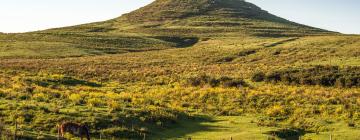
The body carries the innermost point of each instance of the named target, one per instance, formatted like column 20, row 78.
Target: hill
column 196, row 68
column 177, row 24
column 230, row 16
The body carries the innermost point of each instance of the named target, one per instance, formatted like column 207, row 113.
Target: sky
column 33, row 15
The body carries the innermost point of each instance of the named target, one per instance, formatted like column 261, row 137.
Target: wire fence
column 22, row 134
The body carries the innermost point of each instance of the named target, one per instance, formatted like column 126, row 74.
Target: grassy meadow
column 204, row 70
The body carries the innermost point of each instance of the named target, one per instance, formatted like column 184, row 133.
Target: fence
column 21, row 134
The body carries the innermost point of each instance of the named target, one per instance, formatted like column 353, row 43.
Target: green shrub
column 227, row 59
column 224, row 81
column 2, row 94
column 258, row 77
column 234, row 83
column 198, row 80
column 247, row 52
column 95, row 102
column 76, row 99
column 276, row 111
column 319, row 75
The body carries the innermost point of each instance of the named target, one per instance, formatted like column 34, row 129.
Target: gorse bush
column 258, row 77
column 276, row 111
column 247, row 52
column 227, row 59
column 76, row 99
column 228, row 82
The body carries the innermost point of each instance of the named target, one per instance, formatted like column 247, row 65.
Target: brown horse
column 75, row 129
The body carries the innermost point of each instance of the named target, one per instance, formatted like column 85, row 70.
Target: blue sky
column 31, row 15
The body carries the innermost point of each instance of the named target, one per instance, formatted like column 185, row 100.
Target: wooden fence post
column 331, row 137
column 58, row 131
column 16, row 127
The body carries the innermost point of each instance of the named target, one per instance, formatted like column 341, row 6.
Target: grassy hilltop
column 210, row 69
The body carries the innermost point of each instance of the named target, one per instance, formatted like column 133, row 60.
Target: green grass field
column 244, row 128
column 226, row 127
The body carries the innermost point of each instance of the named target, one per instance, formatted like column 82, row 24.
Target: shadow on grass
column 181, row 42
column 187, row 126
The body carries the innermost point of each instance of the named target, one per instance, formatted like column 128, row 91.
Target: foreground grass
column 226, row 127
column 245, row 128
column 340, row 131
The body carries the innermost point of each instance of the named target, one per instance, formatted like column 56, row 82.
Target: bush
column 76, row 99
column 40, row 97
column 114, row 106
column 319, row 75
column 351, row 124
column 198, row 80
column 258, row 77
column 224, row 81
column 276, row 111
column 247, row 52
column 2, row 94
column 95, row 102
column 234, row 83
column 227, row 59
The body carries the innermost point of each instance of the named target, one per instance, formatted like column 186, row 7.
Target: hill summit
column 234, row 15
column 161, row 10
